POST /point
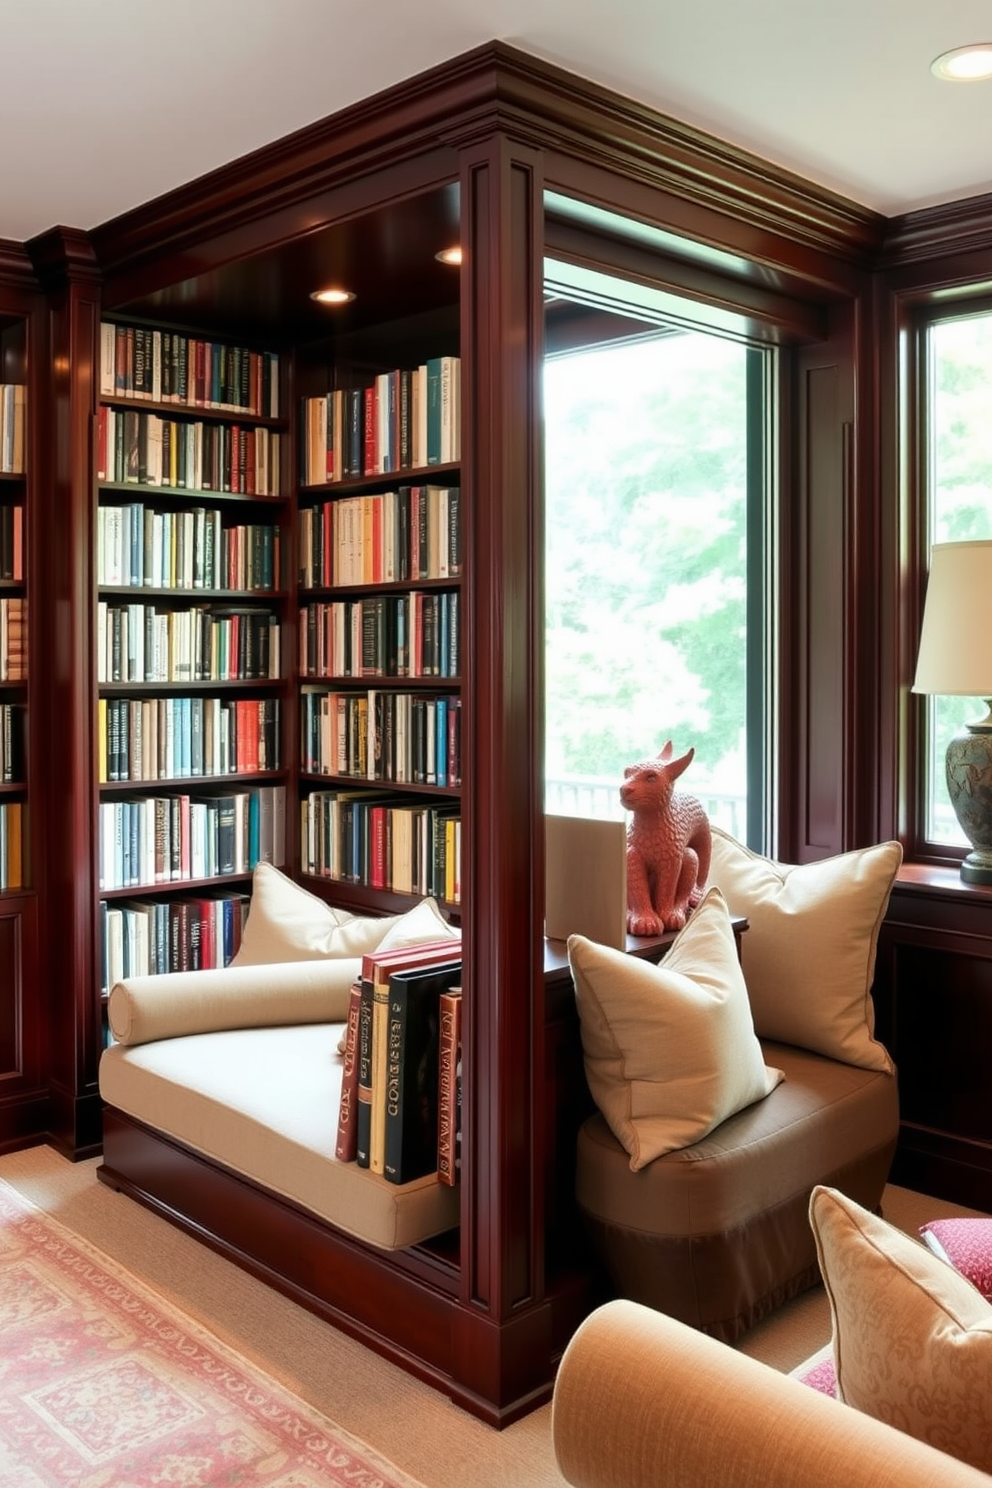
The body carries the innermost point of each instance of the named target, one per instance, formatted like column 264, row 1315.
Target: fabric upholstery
column 140, row 1009
column 717, row 1234
column 670, row 1050
column 642, row 1401
column 912, row 1339
column 966, row 1243
column 809, row 950
column 264, row 1102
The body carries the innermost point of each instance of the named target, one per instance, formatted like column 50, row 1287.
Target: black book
column 412, row 1069
column 355, row 431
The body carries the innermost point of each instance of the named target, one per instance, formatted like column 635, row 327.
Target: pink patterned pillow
column 967, row 1245
column 819, row 1375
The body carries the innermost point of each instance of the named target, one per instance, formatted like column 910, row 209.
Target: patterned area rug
column 104, row 1384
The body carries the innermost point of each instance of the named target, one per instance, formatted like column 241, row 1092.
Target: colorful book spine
column 346, row 1146
column 449, row 1084
column 411, row 1078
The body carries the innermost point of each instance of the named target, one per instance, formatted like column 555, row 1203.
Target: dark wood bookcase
column 517, row 161
column 194, row 642
column 386, row 540
column 22, row 1095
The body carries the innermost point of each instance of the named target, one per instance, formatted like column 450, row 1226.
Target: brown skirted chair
column 727, row 1090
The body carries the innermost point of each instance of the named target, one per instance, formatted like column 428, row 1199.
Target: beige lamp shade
column 955, row 657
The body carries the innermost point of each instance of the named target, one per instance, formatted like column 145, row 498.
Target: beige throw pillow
column 809, row 950
column 670, row 1050
column 287, row 923
column 423, row 922
column 912, row 1339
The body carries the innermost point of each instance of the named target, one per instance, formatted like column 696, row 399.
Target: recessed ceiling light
column 450, row 255
column 965, row 64
column 332, row 296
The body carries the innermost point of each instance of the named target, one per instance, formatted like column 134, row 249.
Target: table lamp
column 955, row 659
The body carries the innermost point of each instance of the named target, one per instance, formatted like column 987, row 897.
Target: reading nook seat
column 263, row 1103
column 222, row 1093
column 694, row 1176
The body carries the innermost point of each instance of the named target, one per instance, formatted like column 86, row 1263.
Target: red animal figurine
column 668, row 845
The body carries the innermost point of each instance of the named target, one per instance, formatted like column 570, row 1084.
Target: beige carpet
column 407, row 1422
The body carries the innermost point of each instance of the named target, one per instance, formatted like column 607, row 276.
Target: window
column 657, row 510
column 958, row 506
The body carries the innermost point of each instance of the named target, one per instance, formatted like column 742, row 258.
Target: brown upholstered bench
column 717, row 1234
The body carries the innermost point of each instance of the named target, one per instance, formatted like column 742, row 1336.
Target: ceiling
column 106, row 104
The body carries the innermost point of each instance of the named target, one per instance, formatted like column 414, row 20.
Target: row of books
column 403, row 737
column 169, row 367
column 398, row 1113
column 134, row 447
column 13, row 732
column 375, row 840
column 12, row 542
column 213, row 643
column 416, row 634
column 13, row 845
column 13, row 639
column 147, row 840
column 389, row 537
column 404, row 419
column 178, row 738
column 153, row 937
column 12, row 427
column 139, row 546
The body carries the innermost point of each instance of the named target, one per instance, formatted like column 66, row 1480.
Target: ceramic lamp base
column 969, row 785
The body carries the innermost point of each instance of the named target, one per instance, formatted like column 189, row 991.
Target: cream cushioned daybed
column 243, row 1064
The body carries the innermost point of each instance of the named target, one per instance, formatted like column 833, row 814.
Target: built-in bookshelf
column 15, row 867
column 380, row 565
column 194, row 636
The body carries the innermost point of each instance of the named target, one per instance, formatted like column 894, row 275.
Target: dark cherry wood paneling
column 23, row 1101
column 23, row 1023
column 815, row 814
column 933, row 996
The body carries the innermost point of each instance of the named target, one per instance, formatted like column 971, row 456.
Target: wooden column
column 66, row 268
column 503, row 1325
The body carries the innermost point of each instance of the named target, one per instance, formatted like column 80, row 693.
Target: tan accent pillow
column 809, row 950
column 912, row 1339
column 670, row 1050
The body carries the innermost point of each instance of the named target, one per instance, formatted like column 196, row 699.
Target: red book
column 246, row 716
column 449, row 1084
column 346, row 1147
column 208, row 944
column 377, row 856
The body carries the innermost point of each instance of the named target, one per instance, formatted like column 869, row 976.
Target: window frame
column 914, row 377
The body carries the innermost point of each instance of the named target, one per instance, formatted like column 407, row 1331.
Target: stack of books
column 398, row 1114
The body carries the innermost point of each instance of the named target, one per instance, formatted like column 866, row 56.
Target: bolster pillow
column 141, row 1009
column 642, row 1399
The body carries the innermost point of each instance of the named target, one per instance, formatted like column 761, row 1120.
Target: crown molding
column 430, row 117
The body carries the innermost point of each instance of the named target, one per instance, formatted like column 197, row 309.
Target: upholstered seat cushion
column 264, row 1102
column 717, row 1233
